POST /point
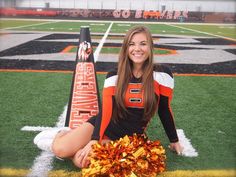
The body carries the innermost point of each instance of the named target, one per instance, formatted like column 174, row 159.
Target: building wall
column 156, row 5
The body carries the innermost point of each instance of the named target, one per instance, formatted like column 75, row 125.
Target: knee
column 60, row 151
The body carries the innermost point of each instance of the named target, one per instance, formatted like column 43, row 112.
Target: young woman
column 132, row 94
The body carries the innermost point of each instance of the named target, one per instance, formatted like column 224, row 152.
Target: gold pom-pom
column 130, row 156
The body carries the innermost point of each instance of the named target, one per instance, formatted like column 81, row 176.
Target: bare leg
column 66, row 144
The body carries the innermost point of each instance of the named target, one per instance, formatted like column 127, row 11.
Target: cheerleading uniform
column 104, row 124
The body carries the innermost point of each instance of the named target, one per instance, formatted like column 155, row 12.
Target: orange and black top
column 134, row 122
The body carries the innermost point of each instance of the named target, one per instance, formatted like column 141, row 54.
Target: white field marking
column 123, row 24
column 230, row 27
column 29, row 25
column 215, row 35
column 97, row 24
column 221, row 132
column 43, row 163
column 188, row 150
column 35, row 128
column 98, row 49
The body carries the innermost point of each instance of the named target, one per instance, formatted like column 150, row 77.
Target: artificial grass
column 221, row 30
column 69, row 27
column 203, row 107
column 99, row 26
column 16, row 23
column 33, row 99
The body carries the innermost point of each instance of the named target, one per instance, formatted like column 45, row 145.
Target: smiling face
column 138, row 50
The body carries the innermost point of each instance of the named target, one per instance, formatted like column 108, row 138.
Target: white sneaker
column 45, row 138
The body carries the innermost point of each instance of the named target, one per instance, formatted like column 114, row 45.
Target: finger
column 177, row 151
column 80, row 159
column 85, row 160
column 171, row 148
column 87, row 163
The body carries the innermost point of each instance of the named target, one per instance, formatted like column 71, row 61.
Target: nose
column 137, row 48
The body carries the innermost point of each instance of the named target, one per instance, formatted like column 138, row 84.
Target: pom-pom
column 130, row 156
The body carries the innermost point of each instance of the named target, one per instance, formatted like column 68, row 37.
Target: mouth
column 137, row 54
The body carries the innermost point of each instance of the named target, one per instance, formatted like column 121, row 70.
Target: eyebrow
column 140, row 41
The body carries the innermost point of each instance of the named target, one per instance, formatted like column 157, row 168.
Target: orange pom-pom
column 130, row 156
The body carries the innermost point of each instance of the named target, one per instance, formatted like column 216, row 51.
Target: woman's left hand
column 176, row 147
column 81, row 159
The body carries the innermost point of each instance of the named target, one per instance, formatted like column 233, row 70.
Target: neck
column 137, row 71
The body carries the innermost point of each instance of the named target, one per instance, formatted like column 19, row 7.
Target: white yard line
column 202, row 32
column 43, row 163
column 189, row 150
column 98, row 49
column 29, row 25
column 35, row 128
column 97, row 24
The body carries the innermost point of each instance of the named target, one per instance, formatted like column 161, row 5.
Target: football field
column 37, row 59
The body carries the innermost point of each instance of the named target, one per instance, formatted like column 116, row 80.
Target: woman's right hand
column 176, row 147
column 81, row 159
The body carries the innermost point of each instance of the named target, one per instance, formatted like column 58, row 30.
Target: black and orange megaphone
column 84, row 99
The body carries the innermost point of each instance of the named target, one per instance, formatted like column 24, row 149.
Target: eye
column 143, row 43
column 131, row 44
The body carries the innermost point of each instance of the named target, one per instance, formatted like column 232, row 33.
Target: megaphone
column 84, row 98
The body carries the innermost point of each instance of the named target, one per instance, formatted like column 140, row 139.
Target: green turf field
column 203, row 106
column 225, row 30
column 120, row 27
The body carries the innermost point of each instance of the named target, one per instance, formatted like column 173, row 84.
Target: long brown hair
column 125, row 67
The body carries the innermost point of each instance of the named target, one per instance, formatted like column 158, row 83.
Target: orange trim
column 101, row 72
column 172, row 52
column 166, row 91
column 137, row 96
column 35, row 71
column 109, row 91
column 156, row 88
column 104, row 72
column 43, row 71
column 68, row 48
column 107, row 108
